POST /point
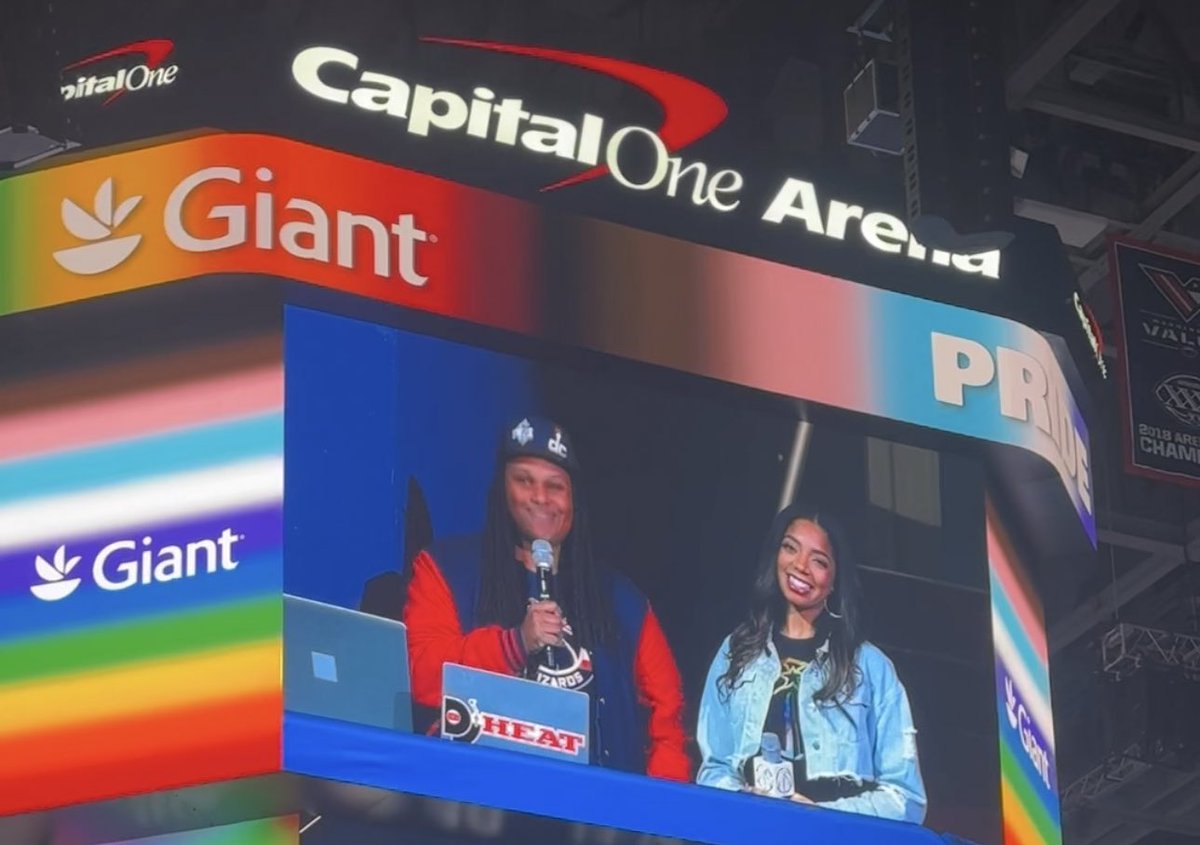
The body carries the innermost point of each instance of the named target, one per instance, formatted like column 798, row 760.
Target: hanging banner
column 1158, row 294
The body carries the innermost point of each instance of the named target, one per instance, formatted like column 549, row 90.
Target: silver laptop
column 346, row 665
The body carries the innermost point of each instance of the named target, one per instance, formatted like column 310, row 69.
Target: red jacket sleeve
column 661, row 690
column 435, row 636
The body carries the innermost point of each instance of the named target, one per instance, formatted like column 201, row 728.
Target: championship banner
column 1158, row 293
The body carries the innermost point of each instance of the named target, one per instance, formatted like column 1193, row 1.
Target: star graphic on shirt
column 789, row 676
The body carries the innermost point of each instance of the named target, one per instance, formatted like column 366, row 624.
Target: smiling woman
column 797, row 681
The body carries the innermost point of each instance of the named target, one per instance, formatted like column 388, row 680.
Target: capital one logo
column 102, row 252
column 311, row 232
column 150, row 73
column 124, row 564
column 690, row 110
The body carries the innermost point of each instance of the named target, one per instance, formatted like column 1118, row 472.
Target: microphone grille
column 543, row 554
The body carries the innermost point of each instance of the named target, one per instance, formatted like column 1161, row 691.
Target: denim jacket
column 870, row 738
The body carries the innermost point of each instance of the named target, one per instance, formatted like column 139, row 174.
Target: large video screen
column 580, row 499
column 537, row 551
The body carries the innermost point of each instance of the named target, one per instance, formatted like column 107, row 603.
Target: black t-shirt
column 782, row 717
column 571, row 666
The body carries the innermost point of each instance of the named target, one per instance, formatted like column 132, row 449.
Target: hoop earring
column 832, row 615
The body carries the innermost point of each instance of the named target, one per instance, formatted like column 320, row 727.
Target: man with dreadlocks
column 474, row 601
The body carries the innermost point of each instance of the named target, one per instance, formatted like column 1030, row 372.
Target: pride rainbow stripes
column 278, row 831
column 499, row 262
column 109, row 693
column 1026, row 724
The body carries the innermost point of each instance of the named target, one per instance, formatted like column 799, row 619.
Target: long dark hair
column 579, row 583
column 768, row 608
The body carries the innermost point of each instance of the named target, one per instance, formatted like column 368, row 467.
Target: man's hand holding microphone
column 543, row 626
column 544, row 622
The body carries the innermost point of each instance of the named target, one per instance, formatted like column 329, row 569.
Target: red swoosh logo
column 155, row 50
column 690, row 110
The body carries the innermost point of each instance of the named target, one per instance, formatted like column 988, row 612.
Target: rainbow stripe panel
column 140, row 576
column 235, row 203
column 1029, row 783
column 280, row 831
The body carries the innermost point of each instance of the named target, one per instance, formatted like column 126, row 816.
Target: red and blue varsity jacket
column 637, row 692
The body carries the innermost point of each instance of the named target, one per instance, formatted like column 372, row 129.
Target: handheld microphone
column 543, row 561
column 772, row 774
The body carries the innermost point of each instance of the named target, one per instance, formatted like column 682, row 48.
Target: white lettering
column 884, row 232
column 509, row 116
column 590, row 138
column 784, row 205
column 507, row 121
column 390, row 95
column 1027, row 393
column 982, row 263
column 481, row 112
column 437, row 109
column 346, row 223
column 552, row 136
column 1037, row 754
column 308, row 235
column 117, row 567
column 612, row 155
column 407, row 237
column 306, row 70
column 138, row 78
column 724, row 182
column 315, row 229
column 234, row 215
column 839, row 215
column 1023, row 388
column 959, row 363
column 126, row 569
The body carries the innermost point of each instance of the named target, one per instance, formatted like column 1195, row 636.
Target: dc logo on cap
column 523, row 433
column 556, row 445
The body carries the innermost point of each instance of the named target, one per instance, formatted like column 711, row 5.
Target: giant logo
column 103, row 252
column 124, row 564
column 312, row 233
column 1019, row 721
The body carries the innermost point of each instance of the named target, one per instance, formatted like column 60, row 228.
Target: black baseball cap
column 538, row 437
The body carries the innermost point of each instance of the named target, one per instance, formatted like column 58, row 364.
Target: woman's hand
column 795, row 796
